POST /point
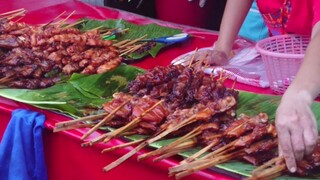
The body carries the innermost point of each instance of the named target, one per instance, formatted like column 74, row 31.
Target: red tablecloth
column 64, row 157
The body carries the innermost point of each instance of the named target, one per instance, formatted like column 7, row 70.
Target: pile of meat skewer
column 199, row 111
column 36, row 56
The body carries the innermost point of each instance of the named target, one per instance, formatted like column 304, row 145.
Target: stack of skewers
column 199, row 111
column 37, row 56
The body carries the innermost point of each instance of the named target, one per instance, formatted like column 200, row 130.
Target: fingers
column 287, row 150
column 285, row 140
column 310, row 133
column 297, row 139
column 217, row 58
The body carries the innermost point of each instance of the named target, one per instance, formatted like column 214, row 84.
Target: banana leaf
column 80, row 95
column 135, row 31
column 84, row 94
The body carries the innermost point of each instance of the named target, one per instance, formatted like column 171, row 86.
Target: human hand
column 296, row 126
column 201, row 2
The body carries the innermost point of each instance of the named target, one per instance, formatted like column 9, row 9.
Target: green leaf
column 135, row 31
column 104, row 85
column 82, row 94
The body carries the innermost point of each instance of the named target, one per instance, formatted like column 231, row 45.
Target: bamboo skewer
column 106, row 119
column 222, row 150
column 45, row 25
column 72, row 122
column 267, row 164
column 166, row 132
column 130, row 125
column 93, row 141
column 76, row 126
column 125, row 157
column 167, row 148
column 133, row 49
column 199, row 153
column 193, row 57
column 21, row 13
column 132, row 42
column 6, row 79
column 110, row 31
column 118, row 131
column 121, row 43
column 12, row 12
column 74, row 24
column 208, row 164
column 182, row 167
column 121, row 146
column 96, row 28
column 178, row 149
column 270, row 172
column 61, row 22
column 234, row 83
column 19, row 19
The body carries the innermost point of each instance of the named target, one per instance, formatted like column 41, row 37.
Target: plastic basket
column 282, row 56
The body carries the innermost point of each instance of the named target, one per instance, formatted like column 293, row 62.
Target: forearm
column 307, row 79
column 233, row 17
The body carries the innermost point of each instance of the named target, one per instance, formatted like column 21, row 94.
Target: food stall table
column 65, row 158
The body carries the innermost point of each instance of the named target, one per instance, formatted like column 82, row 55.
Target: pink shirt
column 290, row 16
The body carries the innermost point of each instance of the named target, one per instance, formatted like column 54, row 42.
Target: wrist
column 301, row 94
column 220, row 47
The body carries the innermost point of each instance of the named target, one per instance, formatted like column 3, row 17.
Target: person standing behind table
column 295, row 121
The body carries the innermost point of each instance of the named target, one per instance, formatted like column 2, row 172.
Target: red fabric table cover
column 64, row 157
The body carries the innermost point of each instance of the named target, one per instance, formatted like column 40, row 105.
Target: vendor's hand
column 296, row 127
column 217, row 58
column 201, row 2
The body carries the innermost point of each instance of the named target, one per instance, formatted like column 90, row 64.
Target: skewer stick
column 45, row 25
column 234, row 83
column 222, row 150
column 267, row 164
column 121, row 43
column 182, row 167
column 130, row 125
column 109, row 32
column 93, row 141
column 133, row 49
column 21, row 13
column 210, row 163
column 166, row 132
column 19, row 19
column 270, row 172
column 6, row 79
column 118, row 131
column 107, row 118
column 97, row 28
column 193, row 57
column 132, row 42
column 221, row 74
column 75, row 121
column 125, row 157
column 121, row 146
column 12, row 12
column 65, row 19
column 167, row 148
column 74, row 24
column 182, row 147
column 203, row 57
column 199, row 153
column 76, row 126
